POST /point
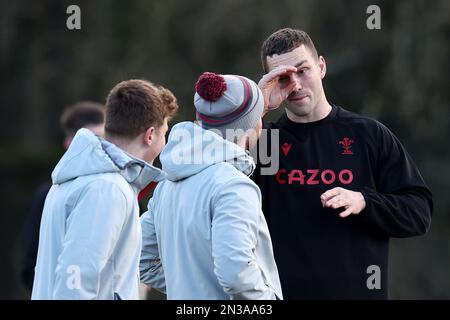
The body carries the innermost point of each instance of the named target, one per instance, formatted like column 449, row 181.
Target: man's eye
column 302, row 71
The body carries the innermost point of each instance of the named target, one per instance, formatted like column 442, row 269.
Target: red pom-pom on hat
column 210, row 86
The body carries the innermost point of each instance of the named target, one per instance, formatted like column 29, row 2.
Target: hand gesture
column 353, row 202
column 274, row 92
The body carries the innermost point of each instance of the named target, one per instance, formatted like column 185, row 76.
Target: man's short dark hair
column 81, row 114
column 135, row 105
column 283, row 41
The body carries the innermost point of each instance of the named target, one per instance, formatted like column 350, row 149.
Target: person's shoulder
column 222, row 171
column 271, row 124
column 238, row 179
column 104, row 183
column 370, row 127
column 343, row 114
column 225, row 174
column 347, row 117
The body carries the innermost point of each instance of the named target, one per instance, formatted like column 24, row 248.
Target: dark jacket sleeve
column 401, row 204
column 30, row 235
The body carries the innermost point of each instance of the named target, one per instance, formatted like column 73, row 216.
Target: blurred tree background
column 398, row 75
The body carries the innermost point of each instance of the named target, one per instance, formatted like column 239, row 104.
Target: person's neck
column 126, row 145
column 321, row 111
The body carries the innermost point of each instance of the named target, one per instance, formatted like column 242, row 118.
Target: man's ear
column 149, row 135
column 322, row 67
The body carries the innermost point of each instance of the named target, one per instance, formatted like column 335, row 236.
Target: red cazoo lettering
column 313, row 176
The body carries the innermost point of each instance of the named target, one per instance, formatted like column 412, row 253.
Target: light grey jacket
column 204, row 234
column 90, row 236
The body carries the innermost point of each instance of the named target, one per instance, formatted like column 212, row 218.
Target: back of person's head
column 283, row 41
column 83, row 114
column 229, row 105
column 133, row 106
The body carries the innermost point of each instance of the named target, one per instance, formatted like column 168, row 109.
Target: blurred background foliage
column 398, row 75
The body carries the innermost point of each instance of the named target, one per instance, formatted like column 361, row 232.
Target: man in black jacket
column 344, row 186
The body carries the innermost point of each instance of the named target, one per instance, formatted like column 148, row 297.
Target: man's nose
column 296, row 79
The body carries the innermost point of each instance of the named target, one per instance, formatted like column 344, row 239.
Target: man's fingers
column 275, row 73
column 336, row 202
column 338, row 197
column 330, row 201
column 329, row 194
column 346, row 213
column 283, row 70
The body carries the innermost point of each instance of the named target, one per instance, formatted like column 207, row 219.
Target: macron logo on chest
column 285, row 148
